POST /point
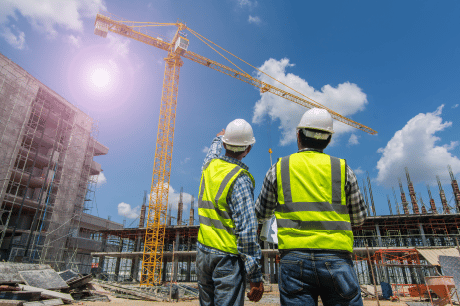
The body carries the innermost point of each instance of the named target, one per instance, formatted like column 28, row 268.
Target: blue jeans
column 221, row 279
column 305, row 275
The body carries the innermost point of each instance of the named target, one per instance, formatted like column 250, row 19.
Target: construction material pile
column 34, row 284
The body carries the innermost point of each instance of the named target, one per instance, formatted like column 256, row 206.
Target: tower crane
column 176, row 49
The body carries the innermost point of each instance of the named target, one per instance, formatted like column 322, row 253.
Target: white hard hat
column 238, row 133
column 316, row 119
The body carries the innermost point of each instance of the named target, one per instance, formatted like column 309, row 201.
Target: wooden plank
column 45, row 279
column 48, row 293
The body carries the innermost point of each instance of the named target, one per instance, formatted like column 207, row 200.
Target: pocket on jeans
column 291, row 276
column 344, row 278
column 226, row 267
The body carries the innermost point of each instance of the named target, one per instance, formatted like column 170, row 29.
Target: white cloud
column 119, row 44
column 345, row 99
column 205, row 150
column 173, row 199
column 358, row 171
column 255, row 20
column 74, row 40
column 247, row 4
column 353, row 140
column 186, row 160
column 49, row 14
column 455, row 106
column 414, row 147
column 17, row 41
column 125, row 210
column 100, row 179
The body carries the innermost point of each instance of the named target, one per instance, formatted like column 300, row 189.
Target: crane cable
column 198, row 35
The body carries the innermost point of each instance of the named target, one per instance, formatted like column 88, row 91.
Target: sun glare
column 100, row 78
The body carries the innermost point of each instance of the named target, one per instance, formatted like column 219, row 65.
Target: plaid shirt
column 268, row 197
column 240, row 200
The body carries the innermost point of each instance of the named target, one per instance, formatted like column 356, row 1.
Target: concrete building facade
column 47, row 173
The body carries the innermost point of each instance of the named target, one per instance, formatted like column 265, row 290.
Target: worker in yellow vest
column 315, row 199
column 228, row 251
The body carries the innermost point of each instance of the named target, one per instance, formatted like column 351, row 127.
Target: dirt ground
column 270, row 298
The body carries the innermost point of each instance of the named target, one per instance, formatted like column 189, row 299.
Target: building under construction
column 47, row 175
column 401, row 248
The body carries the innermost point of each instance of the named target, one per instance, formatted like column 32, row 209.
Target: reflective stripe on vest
column 312, row 211
column 216, row 224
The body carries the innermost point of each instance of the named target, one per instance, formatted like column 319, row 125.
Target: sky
column 393, row 66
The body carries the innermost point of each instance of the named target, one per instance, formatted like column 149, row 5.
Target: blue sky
column 392, row 66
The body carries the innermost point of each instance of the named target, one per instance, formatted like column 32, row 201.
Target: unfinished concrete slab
column 9, row 271
column 45, row 279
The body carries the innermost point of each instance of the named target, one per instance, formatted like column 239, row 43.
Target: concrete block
column 52, row 302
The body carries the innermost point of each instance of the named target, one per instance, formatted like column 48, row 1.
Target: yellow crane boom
column 158, row 202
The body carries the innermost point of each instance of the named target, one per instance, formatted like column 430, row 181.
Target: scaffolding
column 47, row 147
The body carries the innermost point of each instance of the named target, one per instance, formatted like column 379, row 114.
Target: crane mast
column 158, row 202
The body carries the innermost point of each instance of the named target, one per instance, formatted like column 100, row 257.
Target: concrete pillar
column 135, row 261
column 118, row 263
column 422, row 233
column 176, row 258
column 100, row 266
column 189, row 268
column 165, row 270
column 379, row 236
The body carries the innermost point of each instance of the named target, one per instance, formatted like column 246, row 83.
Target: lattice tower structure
column 432, row 203
column 153, row 258
column 412, row 195
column 403, row 198
column 442, row 195
column 455, row 189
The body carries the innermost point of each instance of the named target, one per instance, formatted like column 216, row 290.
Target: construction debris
column 46, row 279
column 9, row 271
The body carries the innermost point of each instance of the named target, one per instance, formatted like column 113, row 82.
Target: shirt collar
column 234, row 161
column 310, row 149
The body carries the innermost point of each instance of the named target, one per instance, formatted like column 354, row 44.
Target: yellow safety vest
column 216, row 224
column 311, row 211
